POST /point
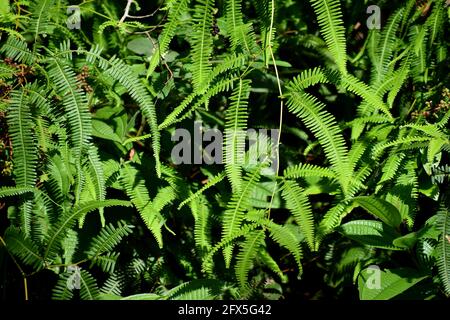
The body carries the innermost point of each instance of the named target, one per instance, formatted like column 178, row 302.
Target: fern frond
column 236, row 207
column 202, row 42
column 40, row 18
column 399, row 78
column 97, row 175
column 201, row 212
column 358, row 87
column 114, row 284
column 88, row 286
column 174, row 116
column 6, row 72
column 137, row 191
column 308, row 78
column 107, row 262
column 325, row 128
column 443, row 249
column 17, row 49
column 18, row 244
column 381, row 146
column 61, row 290
column 390, row 167
column 21, row 130
column 75, row 104
column 67, row 221
column 329, row 17
column 304, row 170
column 15, row 191
column 298, row 203
column 235, row 133
column 249, row 251
column 211, row 182
column 123, row 73
column 176, row 11
column 107, row 239
column 388, row 41
column 285, row 237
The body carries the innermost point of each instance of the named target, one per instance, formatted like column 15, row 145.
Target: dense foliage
column 92, row 95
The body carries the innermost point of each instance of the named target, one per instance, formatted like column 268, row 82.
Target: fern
column 211, row 182
column 329, row 16
column 324, row 126
column 122, row 73
column 249, row 251
column 236, row 207
column 17, row 49
column 304, row 170
column 202, row 43
column 107, row 239
column 21, row 246
column 173, row 20
column 88, row 286
column 443, row 249
column 235, row 132
column 298, row 203
column 75, row 104
column 386, row 47
column 67, row 221
column 137, row 191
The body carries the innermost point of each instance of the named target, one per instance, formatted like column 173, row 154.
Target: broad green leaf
column 381, row 209
column 371, row 233
column 390, row 283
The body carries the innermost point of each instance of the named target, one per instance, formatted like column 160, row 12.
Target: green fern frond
column 443, row 249
column 107, row 239
column 381, row 146
column 332, row 219
column 242, row 37
column 61, row 290
column 285, row 237
column 17, row 49
column 21, row 130
column 6, row 71
column 358, row 87
column 329, row 16
column 67, row 221
column 40, row 18
column 75, row 104
column 386, row 47
column 201, row 213
column 98, row 176
column 399, row 78
column 137, row 191
column 298, row 203
column 248, row 252
column 390, row 167
column 211, row 182
column 18, row 244
column 15, row 191
column 174, row 116
column 107, row 262
column 236, row 207
column 88, row 286
column 304, row 170
column 308, row 78
column 69, row 246
column 202, row 42
column 176, row 11
column 123, row 73
column 325, row 128
column 235, row 133
column 114, row 284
